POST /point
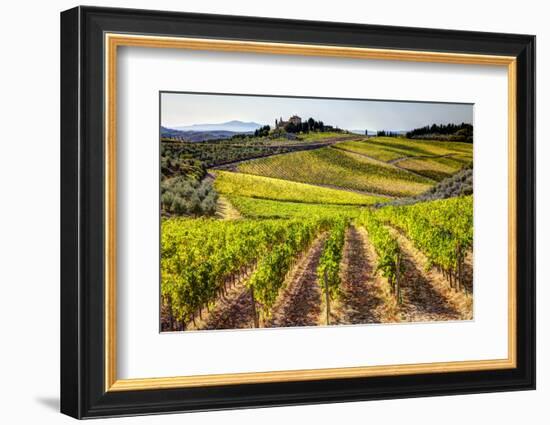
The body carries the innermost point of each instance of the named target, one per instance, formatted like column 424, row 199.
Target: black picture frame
column 83, row 392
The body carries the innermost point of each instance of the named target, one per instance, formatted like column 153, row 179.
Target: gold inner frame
column 113, row 41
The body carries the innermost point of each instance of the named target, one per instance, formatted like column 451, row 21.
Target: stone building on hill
column 294, row 119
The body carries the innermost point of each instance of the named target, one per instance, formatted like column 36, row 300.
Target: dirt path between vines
column 364, row 298
column 300, row 303
column 225, row 209
column 232, row 311
column 427, row 296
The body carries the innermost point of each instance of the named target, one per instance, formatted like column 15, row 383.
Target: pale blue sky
column 181, row 109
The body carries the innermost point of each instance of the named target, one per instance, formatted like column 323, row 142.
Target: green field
column 433, row 159
column 266, row 208
column 434, row 168
column 238, row 184
column 339, row 169
column 319, row 137
column 391, row 148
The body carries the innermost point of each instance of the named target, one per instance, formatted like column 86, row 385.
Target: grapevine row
column 328, row 270
column 442, row 230
column 200, row 257
column 272, row 271
column 386, row 247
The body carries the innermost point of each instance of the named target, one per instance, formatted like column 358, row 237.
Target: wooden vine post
column 459, row 267
column 327, row 297
column 168, row 301
column 398, row 278
column 254, row 313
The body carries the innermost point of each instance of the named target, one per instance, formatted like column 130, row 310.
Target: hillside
column 336, row 168
column 248, row 185
column 198, row 136
column 459, row 184
column 234, row 126
column 286, row 234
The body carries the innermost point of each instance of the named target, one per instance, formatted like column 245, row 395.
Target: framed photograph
column 261, row 212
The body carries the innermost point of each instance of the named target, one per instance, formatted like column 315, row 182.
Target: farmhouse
column 294, row 119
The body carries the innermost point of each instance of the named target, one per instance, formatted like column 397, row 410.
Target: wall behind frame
column 29, row 224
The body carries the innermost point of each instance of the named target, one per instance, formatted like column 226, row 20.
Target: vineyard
column 203, row 259
column 434, row 161
column 315, row 236
column 343, row 170
column 247, row 185
column 437, row 168
column 442, row 230
column 389, row 148
column 268, row 208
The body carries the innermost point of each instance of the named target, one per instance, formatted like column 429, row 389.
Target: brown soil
column 363, row 298
column 165, row 324
column 299, row 304
column 234, row 311
column 366, row 296
column 230, row 311
column 426, row 294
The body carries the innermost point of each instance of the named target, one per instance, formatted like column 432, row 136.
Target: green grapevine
column 386, row 247
column 271, row 272
column 328, row 270
column 442, row 230
column 199, row 257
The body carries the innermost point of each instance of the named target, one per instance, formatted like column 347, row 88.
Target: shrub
column 183, row 196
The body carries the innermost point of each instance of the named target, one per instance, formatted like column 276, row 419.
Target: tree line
column 310, row 125
column 453, row 132
column 386, row 133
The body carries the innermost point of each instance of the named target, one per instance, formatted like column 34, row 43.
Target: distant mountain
column 198, row 136
column 234, row 126
column 169, row 132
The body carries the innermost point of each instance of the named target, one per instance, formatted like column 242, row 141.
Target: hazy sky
column 181, row 109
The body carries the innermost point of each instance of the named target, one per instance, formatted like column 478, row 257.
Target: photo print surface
column 280, row 212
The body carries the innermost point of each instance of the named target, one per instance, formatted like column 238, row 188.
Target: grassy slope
column 318, row 137
column 265, row 208
column 269, row 188
column 388, row 149
column 333, row 167
column 459, row 184
column 374, row 150
column 434, row 168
